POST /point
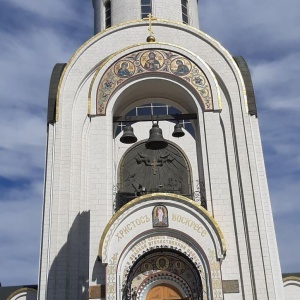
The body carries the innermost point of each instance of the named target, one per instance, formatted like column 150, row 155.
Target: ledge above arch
column 291, row 278
column 137, row 217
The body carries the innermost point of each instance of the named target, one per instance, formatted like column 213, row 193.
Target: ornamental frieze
column 153, row 61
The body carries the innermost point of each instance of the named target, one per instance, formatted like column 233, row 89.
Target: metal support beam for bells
column 156, row 140
column 176, row 117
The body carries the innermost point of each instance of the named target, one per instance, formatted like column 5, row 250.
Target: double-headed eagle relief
column 145, row 171
column 154, row 163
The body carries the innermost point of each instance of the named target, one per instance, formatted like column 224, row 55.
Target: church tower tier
column 155, row 185
column 113, row 12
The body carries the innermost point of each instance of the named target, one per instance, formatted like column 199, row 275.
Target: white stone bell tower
column 181, row 214
column 132, row 10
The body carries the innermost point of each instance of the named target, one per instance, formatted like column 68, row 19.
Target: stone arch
column 144, row 201
column 163, row 278
column 158, row 62
column 199, row 81
column 23, row 294
column 129, row 234
column 178, row 270
column 102, row 36
column 183, row 246
column 291, row 284
column 149, row 88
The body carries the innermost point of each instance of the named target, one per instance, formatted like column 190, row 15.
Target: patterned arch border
column 153, row 61
column 169, row 242
column 20, row 291
column 173, row 278
column 291, row 278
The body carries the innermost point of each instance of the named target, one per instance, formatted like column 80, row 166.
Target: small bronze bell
column 156, row 139
column 128, row 136
column 178, row 131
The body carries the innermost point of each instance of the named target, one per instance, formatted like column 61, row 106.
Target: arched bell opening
column 173, row 106
column 165, row 88
column 163, row 274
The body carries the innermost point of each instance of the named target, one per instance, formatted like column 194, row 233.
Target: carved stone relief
column 145, row 170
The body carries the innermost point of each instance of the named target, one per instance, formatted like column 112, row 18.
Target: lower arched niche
column 167, row 259
column 189, row 231
column 171, row 273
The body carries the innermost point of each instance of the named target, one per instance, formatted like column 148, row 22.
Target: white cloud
column 285, row 197
column 261, row 25
column 27, row 58
column 19, row 239
column 277, row 82
column 28, row 61
column 289, row 245
column 53, row 10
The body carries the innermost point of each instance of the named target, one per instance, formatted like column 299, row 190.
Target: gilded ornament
column 153, row 60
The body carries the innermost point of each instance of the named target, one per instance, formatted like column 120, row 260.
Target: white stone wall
column 129, row 10
column 82, row 160
column 292, row 288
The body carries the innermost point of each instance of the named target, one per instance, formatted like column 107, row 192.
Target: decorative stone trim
column 173, row 278
column 153, row 61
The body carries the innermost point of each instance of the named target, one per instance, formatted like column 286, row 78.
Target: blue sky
column 37, row 34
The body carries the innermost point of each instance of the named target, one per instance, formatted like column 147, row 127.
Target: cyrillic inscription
column 137, row 222
column 188, row 222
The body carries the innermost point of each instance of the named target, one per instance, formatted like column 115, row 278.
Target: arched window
column 146, row 8
column 107, row 14
column 185, row 18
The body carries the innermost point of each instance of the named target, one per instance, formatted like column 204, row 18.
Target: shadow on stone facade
column 69, row 273
column 98, row 272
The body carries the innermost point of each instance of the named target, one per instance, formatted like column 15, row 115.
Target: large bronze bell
column 156, row 139
column 128, row 136
column 178, row 131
